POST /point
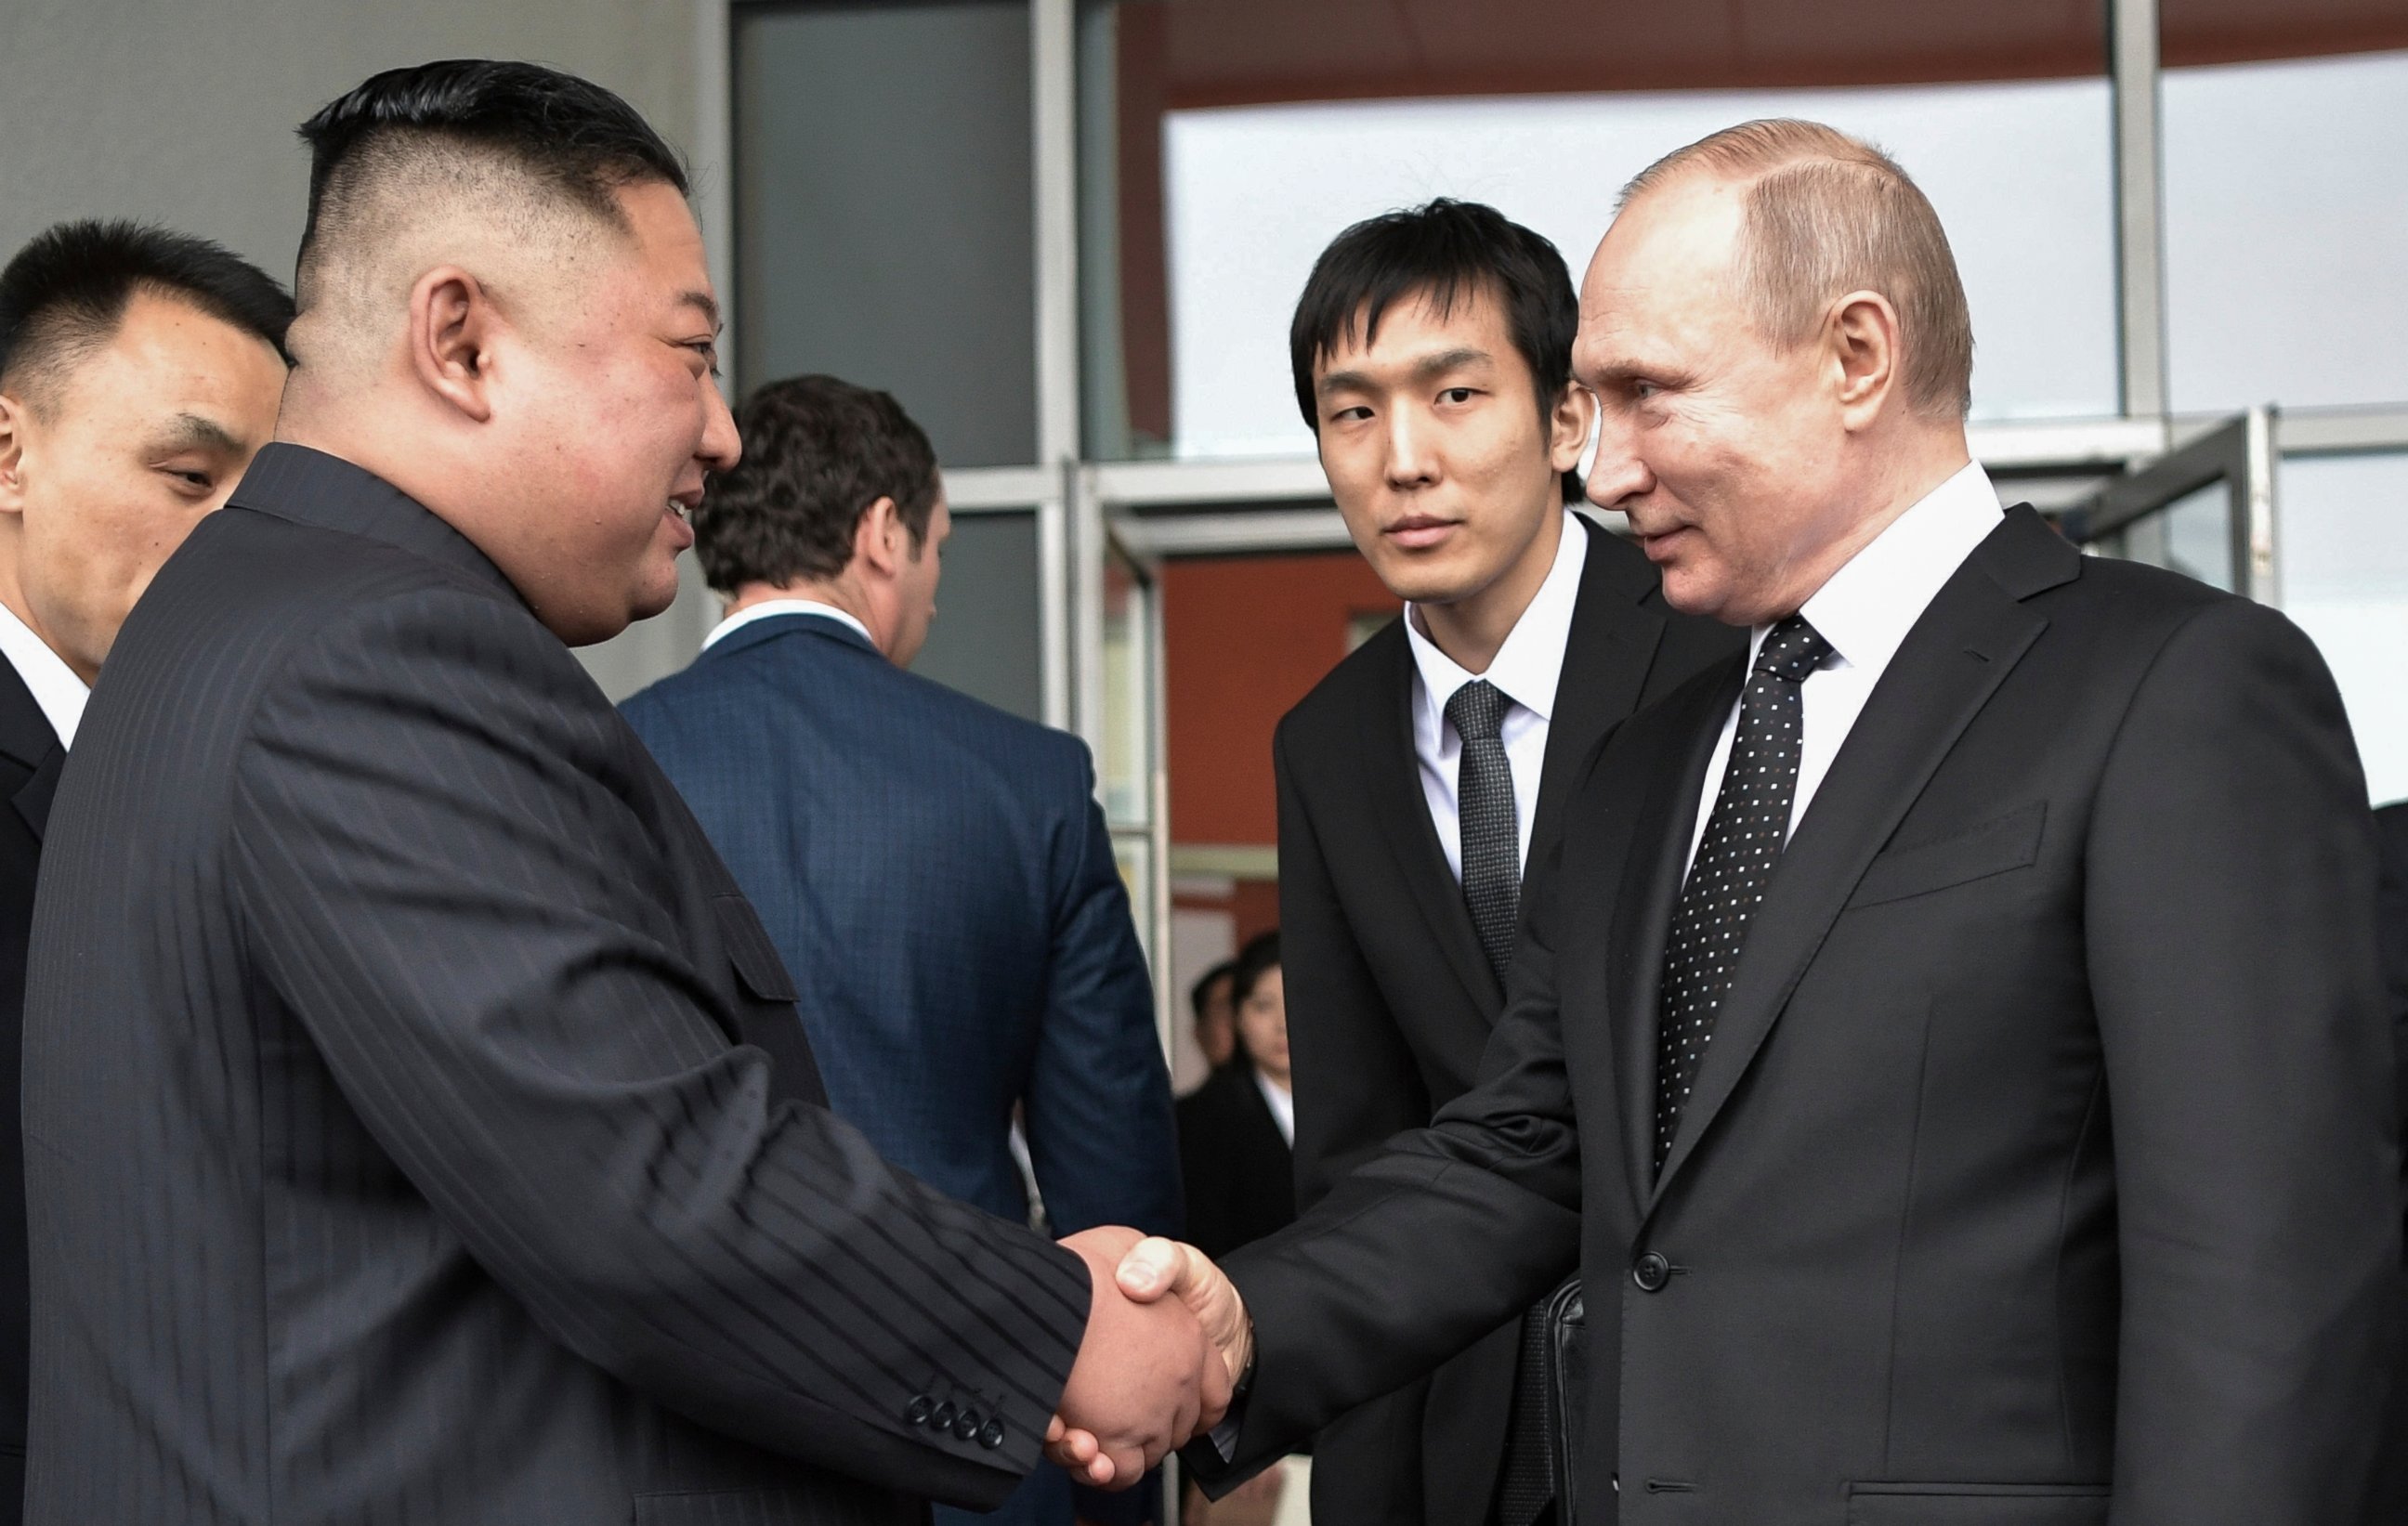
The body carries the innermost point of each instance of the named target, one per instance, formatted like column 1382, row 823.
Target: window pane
column 883, row 224
column 1125, row 768
column 984, row 641
column 1242, row 135
column 2287, row 232
column 2344, row 529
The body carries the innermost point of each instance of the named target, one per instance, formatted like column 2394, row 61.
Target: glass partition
column 2345, row 581
column 984, row 640
column 2287, row 232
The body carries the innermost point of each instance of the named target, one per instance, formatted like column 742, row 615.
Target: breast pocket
column 1999, row 846
column 1977, row 1505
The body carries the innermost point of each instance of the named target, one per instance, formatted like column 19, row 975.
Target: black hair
column 1258, row 958
column 1444, row 251
column 571, row 134
column 818, row 451
column 1204, row 983
column 63, row 295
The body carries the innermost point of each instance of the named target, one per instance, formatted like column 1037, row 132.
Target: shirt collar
column 1867, row 608
column 55, row 685
column 1530, row 663
column 770, row 607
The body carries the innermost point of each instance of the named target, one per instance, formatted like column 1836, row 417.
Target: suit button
column 917, row 1411
column 943, row 1418
column 992, row 1437
column 1651, row 1272
column 966, row 1424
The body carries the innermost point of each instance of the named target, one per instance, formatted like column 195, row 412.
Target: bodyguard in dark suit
column 935, row 873
column 419, row 1125
column 1952, row 1036
column 140, row 371
column 1448, row 428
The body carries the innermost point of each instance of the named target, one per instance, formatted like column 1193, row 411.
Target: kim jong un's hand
column 1146, row 1378
column 1164, row 1274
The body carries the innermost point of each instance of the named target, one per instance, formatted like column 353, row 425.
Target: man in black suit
column 419, row 1127
column 1432, row 355
column 140, row 371
column 1952, row 1037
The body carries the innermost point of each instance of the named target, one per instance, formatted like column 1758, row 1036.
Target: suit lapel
column 1964, row 646
column 1607, row 655
column 1392, row 781
column 1652, row 871
column 26, row 738
column 32, row 797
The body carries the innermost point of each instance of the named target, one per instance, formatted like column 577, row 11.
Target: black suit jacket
column 1390, row 999
column 418, row 1129
column 2391, row 824
column 30, row 762
column 2391, row 903
column 1235, row 1164
column 2045, row 1167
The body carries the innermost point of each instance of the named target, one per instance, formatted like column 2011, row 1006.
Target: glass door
column 1128, row 764
column 2205, row 509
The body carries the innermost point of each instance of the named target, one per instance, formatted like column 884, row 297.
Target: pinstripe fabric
column 393, row 1157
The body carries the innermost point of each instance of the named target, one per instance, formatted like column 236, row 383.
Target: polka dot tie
column 1743, row 840
column 1483, row 813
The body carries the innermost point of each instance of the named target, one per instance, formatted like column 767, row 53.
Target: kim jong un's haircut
column 1828, row 214
column 530, row 153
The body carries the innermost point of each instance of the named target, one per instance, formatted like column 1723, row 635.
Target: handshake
column 1168, row 1338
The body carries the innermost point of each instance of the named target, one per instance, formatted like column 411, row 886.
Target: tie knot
column 1476, row 711
column 1792, row 649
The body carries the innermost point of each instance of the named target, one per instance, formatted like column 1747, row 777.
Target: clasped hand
column 1167, row 1339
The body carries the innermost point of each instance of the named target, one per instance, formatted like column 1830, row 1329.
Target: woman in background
column 1237, row 1133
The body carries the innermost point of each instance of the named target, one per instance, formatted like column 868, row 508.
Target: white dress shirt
column 1526, row 670
column 1865, row 612
column 1283, row 1105
column 768, row 608
column 56, row 688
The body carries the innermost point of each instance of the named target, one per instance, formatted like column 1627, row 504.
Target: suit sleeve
column 1438, row 1239
column 2249, row 1075
column 1098, row 1101
column 447, row 884
column 1356, row 1082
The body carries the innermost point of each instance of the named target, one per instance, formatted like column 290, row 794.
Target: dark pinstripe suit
column 393, row 1152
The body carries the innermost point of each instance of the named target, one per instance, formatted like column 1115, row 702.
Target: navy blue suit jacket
column 939, row 878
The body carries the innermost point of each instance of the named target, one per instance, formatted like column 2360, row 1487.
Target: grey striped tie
column 1491, row 846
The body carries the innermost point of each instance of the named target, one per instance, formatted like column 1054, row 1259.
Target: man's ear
column 13, row 419
column 1570, row 424
column 1861, row 347
column 453, row 325
column 879, row 542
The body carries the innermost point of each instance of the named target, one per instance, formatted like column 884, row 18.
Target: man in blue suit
column 934, row 871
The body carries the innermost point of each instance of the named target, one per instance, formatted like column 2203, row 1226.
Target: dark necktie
column 1492, row 889
column 1744, row 836
column 1483, row 805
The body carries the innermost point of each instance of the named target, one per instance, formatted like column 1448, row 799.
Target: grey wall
column 883, row 230
column 984, row 640
column 182, row 112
